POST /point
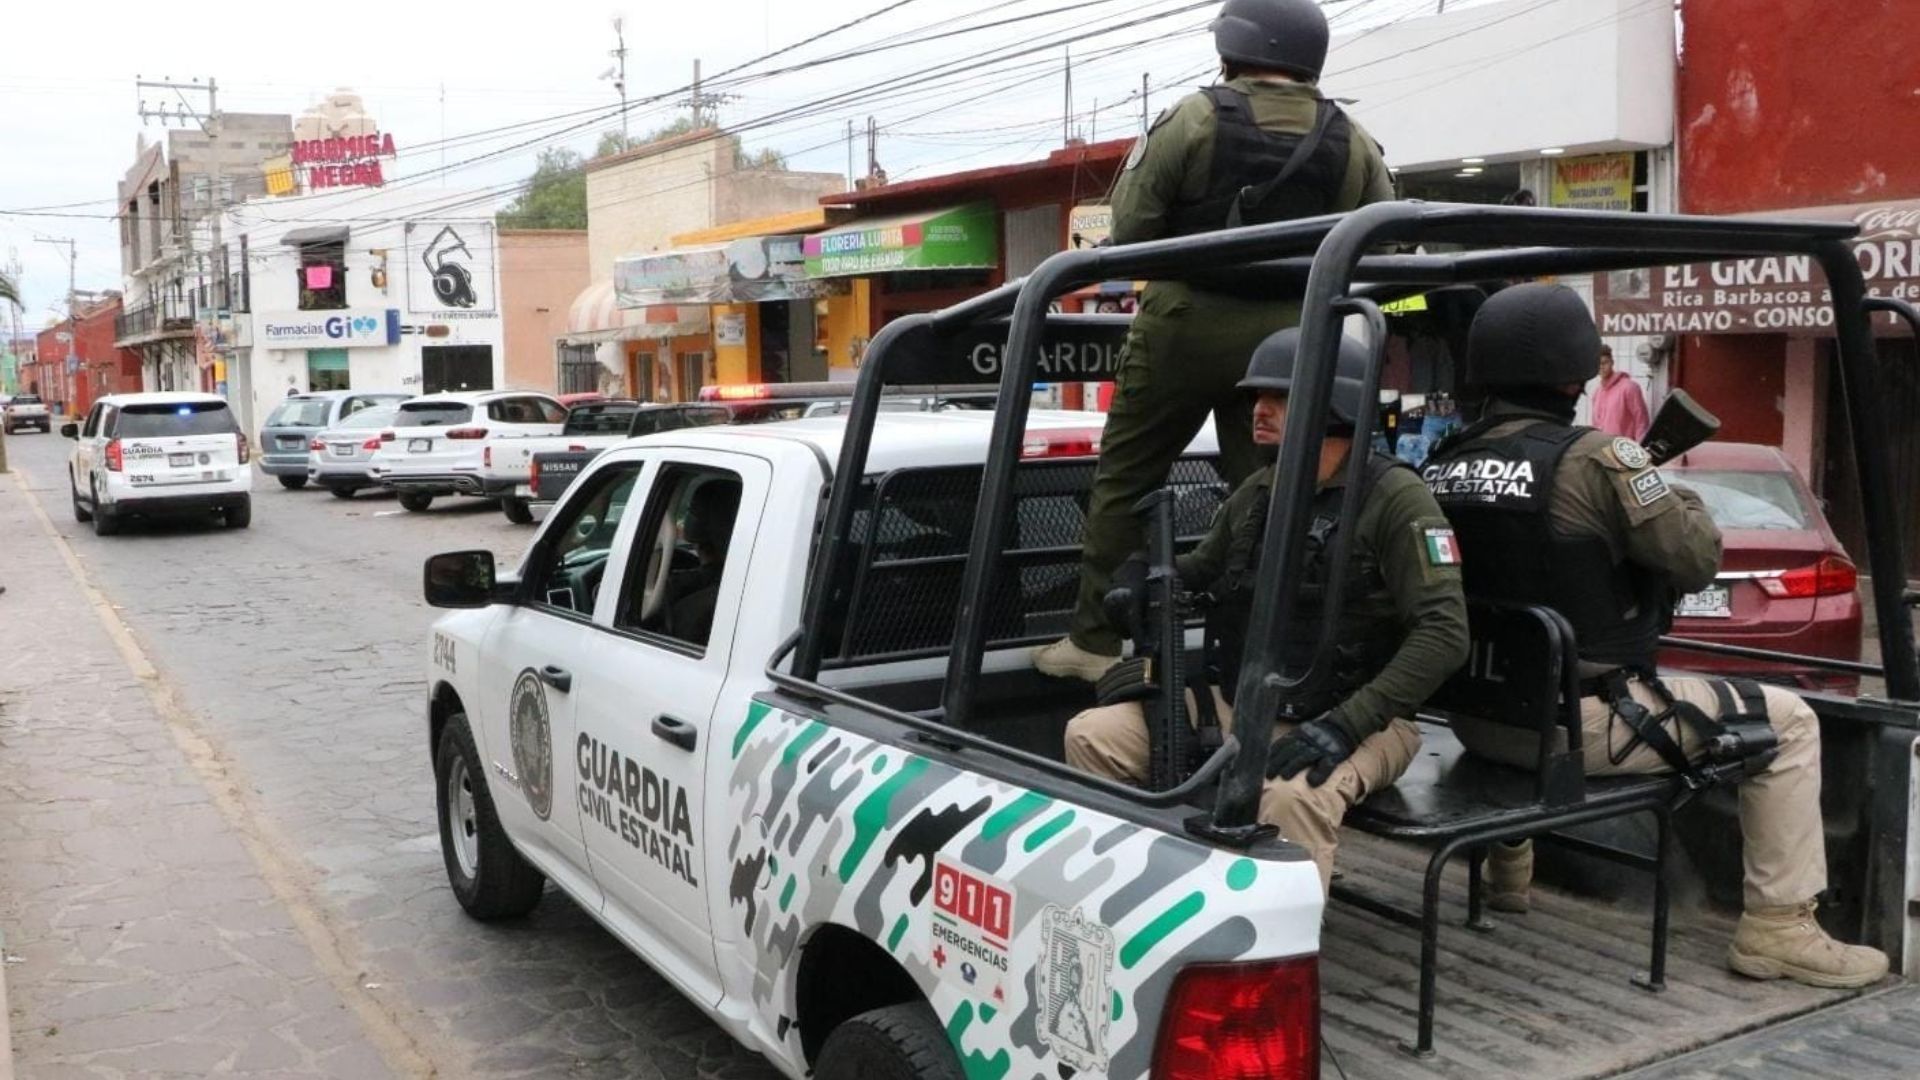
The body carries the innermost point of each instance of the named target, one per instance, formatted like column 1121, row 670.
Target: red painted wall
column 1790, row 103
column 103, row 368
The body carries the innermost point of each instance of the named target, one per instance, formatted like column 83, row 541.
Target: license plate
column 419, row 446
column 342, row 449
column 1712, row 602
column 179, row 461
column 290, row 444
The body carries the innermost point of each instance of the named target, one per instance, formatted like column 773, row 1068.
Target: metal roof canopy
column 1328, row 254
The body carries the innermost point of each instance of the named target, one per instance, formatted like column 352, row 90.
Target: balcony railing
column 169, row 314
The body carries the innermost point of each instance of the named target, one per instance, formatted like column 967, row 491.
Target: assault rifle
column 1148, row 602
column 1681, row 424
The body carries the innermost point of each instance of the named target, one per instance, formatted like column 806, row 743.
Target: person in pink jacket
column 1619, row 408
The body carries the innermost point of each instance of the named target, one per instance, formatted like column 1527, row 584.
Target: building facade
column 362, row 288
column 541, row 271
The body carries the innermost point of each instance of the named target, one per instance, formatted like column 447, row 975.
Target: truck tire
column 240, row 516
column 489, row 878
column 343, row 492
column 105, row 521
column 293, row 483
column 80, row 513
column 415, row 501
column 517, row 510
column 898, row 1042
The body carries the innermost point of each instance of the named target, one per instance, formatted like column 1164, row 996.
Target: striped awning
column 595, row 317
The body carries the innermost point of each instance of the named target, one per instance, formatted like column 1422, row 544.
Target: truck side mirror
column 69, row 431
column 460, row 579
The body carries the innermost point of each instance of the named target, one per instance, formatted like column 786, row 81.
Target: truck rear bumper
column 178, row 505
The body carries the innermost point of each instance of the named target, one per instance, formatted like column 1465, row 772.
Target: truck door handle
column 558, row 678
column 678, row 732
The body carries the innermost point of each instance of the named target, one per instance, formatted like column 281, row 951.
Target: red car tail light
column 373, row 443
column 467, row 433
column 533, row 473
column 1072, row 442
column 115, row 462
column 1831, row 576
column 386, row 436
column 1252, row 1021
column 240, row 447
column 318, row 445
column 486, row 457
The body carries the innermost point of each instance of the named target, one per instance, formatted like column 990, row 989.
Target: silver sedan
column 337, row 458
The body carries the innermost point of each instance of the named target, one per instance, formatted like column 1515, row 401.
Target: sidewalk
column 146, row 940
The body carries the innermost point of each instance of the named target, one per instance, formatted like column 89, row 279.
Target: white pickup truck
column 758, row 699
column 25, row 411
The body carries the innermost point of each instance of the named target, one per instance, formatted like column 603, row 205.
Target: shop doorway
column 456, row 367
column 776, row 342
column 1840, row 487
column 327, row 370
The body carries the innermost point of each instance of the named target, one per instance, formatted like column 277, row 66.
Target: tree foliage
column 556, row 193
column 9, row 289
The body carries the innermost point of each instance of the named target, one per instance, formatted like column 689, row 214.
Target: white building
column 363, row 288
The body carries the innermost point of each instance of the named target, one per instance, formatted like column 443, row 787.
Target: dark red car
column 1785, row 582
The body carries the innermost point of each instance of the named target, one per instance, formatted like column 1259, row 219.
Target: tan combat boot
column 1065, row 660
column 1777, row 942
column 1510, row 876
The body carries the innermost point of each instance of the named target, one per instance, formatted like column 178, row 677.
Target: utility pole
column 1145, row 117
column 619, row 55
column 697, row 125
column 849, row 155
column 73, row 316
column 1066, row 113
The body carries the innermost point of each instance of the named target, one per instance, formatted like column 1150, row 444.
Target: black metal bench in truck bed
column 1521, row 675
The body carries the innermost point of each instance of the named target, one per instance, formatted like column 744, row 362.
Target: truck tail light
column 318, row 445
column 467, row 433
column 1251, row 1021
column 115, row 463
column 1831, row 576
column 240, row 446
column 1069, row 442
column 533, row 473
column 373, row 443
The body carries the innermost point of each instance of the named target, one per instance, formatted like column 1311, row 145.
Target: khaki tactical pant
column 1111, row 741
column 1184, row 354
column 1784, row 849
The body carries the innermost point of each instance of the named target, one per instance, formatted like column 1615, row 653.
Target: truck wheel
column 343, row 492
column 80, row 513
column 240, row 516
column 898, row 1042
column 415, row 501
column 105, row 521
column 489, row 878
column 517, row 510
column 293, row 483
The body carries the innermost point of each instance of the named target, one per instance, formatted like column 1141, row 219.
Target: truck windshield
column 182, row 418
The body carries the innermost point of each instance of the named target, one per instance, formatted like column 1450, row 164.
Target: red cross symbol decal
column 939, row 956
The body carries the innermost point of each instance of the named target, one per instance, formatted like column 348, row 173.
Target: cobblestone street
column 228, row 863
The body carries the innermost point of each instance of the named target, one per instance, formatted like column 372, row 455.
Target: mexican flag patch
column 1442, row 548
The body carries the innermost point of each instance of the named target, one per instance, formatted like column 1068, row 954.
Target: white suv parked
column 440, row 444
column 158, row 454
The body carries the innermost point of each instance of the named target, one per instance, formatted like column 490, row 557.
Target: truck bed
column 1547, row 994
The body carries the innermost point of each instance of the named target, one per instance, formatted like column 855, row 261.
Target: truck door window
column 567, row 575
column 680, row 556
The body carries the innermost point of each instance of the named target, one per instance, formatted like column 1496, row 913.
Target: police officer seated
column 707, row 528
column 1402, row 627
column 1549, row 512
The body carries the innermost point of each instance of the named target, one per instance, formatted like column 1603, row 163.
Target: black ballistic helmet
column 1277, row 35
column 1534, row 334
column 1272, row 369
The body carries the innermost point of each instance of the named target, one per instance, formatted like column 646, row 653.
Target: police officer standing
column 1579, row 520
column 1261, row 146
column 1401, row 630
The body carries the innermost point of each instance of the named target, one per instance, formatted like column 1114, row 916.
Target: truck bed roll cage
column 1327, row 260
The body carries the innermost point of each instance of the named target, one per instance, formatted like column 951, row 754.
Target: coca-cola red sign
column 1780, row 294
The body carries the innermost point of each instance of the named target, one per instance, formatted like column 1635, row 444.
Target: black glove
column 1317, row 746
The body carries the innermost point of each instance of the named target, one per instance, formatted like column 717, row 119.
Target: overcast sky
column 69, row 120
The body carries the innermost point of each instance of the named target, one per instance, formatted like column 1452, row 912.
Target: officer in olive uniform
column 1402, row 625
column 1261, row 146
column 1577, row 519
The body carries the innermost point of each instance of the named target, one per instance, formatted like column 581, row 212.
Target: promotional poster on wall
column 450, row 269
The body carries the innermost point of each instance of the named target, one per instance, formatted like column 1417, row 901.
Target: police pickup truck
column 757, row 698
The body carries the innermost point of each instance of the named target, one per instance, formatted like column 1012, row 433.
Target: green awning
column 957, row 238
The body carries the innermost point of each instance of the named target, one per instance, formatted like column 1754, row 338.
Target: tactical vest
column 1496, row 492
column 1363, row 651
column 1245, row 155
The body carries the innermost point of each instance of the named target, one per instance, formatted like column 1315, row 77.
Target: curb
column 6, row 1036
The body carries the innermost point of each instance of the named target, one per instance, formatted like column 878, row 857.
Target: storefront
column 768, row 317
column 1754, row 343
column 662, row 353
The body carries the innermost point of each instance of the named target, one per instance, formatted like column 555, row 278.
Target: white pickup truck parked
column 590, row 428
